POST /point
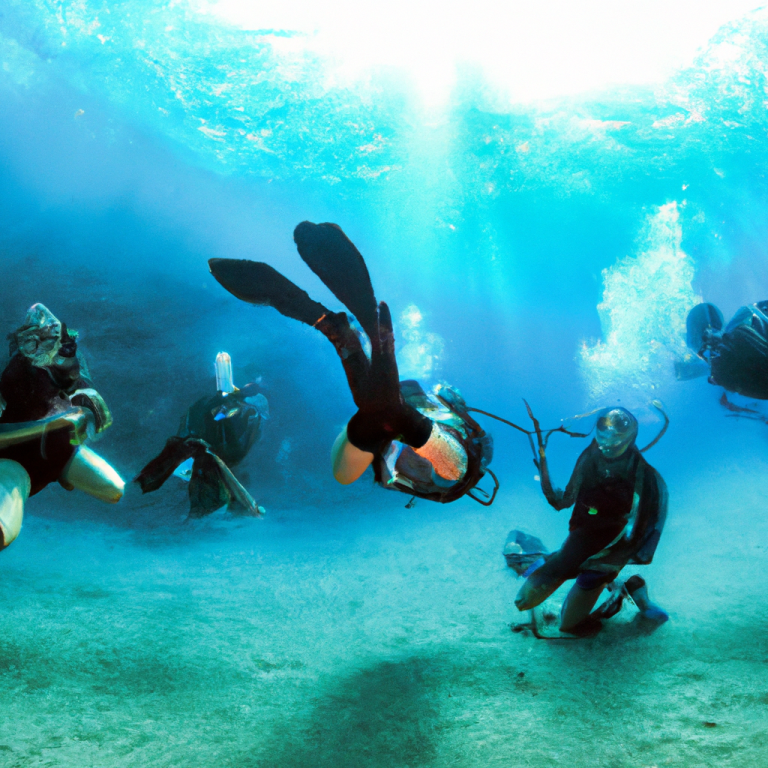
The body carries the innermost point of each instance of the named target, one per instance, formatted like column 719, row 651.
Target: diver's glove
column 382, row 413
column 79, row 423
column 99, row 413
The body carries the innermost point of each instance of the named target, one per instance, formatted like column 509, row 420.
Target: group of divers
column 423, row 444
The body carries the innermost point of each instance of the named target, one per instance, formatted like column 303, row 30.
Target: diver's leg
column 638, row 591
column 536, row 589
column 89, row 473
column 348, row 462
column 336, row 328
column 582, row 598
column 559, row 567
column 14, row 491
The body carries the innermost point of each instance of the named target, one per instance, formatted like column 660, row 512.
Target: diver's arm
column 553, row 495
column 557, row 498
column 74, row 419
column 348, row 462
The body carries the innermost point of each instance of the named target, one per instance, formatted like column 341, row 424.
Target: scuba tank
column 400, row 468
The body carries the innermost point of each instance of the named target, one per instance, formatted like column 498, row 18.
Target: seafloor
column 373, row 635
column 552, row 251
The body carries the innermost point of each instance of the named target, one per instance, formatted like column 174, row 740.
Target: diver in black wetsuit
column 426, row 446
column 217, row 432
column 737, row 355
column 608, row 529
column 47, row 410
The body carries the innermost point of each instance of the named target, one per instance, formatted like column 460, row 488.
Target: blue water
column 547, row 250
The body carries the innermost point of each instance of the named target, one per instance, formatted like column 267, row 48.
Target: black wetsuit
column 232, row 437
column 32, row 393
column 215, row 444
column 739, row 358
column 603, row 493
column 385, row 412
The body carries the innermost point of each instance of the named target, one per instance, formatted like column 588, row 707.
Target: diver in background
column 426, row 446
column 608, row 528
column 737, row 356
column 47, row 410
column 216, row 433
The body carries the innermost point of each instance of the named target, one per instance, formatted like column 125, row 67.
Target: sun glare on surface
column 528, row 51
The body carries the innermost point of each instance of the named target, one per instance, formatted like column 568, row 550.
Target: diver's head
column 40, row 338
column 616, row 431
column 704, row 325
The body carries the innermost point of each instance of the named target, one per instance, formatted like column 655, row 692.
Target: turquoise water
column 543, row 249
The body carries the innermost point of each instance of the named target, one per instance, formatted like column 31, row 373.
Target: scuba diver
column 424, row 445
column 48, row 410
column 620, row 506
column 216, row 433
column 736, row 357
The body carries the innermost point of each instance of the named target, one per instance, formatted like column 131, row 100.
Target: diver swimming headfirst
column 620, row 506
column 48, row 408
column 422, row 444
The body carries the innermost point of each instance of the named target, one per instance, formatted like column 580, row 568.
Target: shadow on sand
column 384, row 715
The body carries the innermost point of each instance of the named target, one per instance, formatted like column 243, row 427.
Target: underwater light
column 529, row 51
column 224, row 381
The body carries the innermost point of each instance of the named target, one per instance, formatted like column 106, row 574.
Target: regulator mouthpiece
column 224, row 381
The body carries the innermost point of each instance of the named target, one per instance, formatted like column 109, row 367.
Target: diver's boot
column 638, row 591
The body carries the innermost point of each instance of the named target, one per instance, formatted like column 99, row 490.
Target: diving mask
column 39, row 339
column 616, row 431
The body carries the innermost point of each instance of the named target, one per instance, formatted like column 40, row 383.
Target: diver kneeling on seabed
column 423, row 445
column 216, row 433
column 48, row 409
column 620, row 509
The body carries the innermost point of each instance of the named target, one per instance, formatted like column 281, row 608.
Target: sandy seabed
column 377, row 637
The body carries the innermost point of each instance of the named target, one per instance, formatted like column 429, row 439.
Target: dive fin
column 258, row 283
column 331, row 255
column 176, row 451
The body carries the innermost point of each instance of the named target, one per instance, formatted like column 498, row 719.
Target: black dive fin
column 258, row 283
column 330, row 254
